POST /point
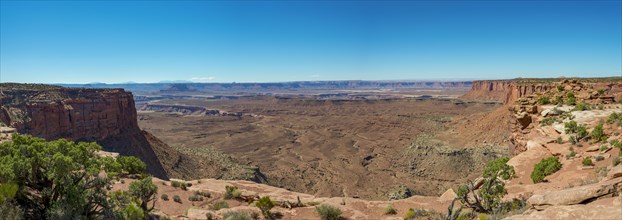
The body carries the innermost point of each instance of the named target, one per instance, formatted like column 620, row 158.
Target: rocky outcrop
column 575, row 195
column 105, row 116
column 522, row 98
column 573, row 212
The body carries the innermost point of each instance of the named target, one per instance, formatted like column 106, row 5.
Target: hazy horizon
column 379, row 80
column 240, row 41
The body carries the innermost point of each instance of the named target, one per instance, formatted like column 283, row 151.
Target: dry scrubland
column 352, row 148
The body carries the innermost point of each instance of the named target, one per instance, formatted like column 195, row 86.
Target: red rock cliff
column 74, row 114
column 506, row 91
column 495, row 90
column 106, row 116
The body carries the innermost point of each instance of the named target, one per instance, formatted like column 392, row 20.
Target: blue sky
column 150, row 41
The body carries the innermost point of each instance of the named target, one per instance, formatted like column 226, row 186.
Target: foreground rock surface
column 574, row 195
column 589, row 211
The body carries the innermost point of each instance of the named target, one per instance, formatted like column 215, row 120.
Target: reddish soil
column 355, row 148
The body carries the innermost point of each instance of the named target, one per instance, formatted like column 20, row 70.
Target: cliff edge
column 105, row 116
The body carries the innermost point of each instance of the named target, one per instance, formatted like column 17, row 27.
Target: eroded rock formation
column 521, row 96
column 106, row 116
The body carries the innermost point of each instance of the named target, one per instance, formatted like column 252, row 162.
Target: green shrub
column 560, row 88
column 549, row 121
column 587, row 161
column 265, row 204
column 598, row 134
column 581, row 132
column 132, row 165
column 164, row 197
column 232, row 192
column 178, row 184
column 601, row 92
column 571, row 154
column 410, row 214
column 176, row 198
column 616, row 143
column 580, row 107
column 328, row 212
column 499, row 167
column 571, row 99
column 559, row 140
column 544, row 168
column 604, row 148
column 112, row 166
column 202, row 193
column 145, row 191
column 615, row 118
column 389, row 210
column 132, row 211
column 195, row 198
column 615, row 161
column 219, row 205
column 572, row 127
column 62, row 180
column 487, row 198
column 543, row 100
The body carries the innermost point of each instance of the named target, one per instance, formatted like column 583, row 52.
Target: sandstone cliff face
column 506, row 91
column 74, row 114
column 496, row 90
column 106, row 116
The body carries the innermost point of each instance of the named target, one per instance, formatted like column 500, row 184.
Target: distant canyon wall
column 508, row 91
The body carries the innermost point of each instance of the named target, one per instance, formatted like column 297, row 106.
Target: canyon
column 354, row 151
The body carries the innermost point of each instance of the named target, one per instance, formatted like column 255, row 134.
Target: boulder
column 593, row 148
column 574, row 195
column 523, row 119
column 615, row 172
column 448, row 196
